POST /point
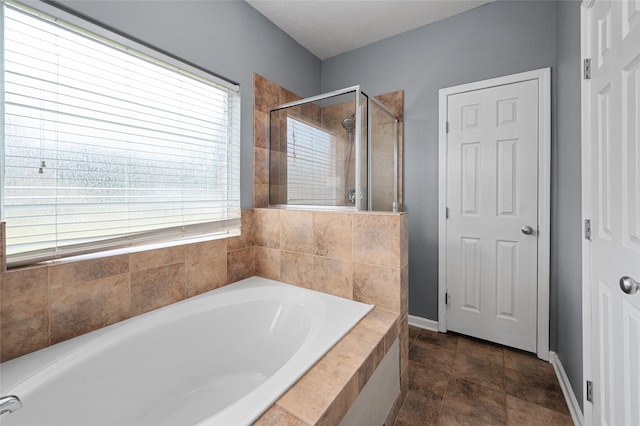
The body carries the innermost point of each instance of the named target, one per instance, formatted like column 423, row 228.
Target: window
column 311, row 165
column 105, row 146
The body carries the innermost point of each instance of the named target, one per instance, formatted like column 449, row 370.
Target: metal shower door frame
column 361, row 203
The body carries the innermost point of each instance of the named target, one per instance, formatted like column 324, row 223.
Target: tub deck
column 325, row 393
column 207, row 372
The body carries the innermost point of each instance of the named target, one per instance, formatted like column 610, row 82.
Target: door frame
column 585, row 95
column 543, row 76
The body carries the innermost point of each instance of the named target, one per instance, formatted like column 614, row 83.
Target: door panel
column 604, row 166
column 471, row 274
column 470, row 158
column 606, row 354
column 506, row 284
column 507, row 177
column 631, row 152
column 631, row 339
column 492, row 178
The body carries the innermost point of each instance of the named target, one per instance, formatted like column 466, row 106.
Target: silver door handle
column 527, row 230
column 629, row 285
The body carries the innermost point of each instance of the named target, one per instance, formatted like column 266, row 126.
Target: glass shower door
column 383, row 158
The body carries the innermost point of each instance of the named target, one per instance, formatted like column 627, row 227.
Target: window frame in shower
column 326, row 169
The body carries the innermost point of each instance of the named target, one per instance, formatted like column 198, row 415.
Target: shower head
column 349, row 123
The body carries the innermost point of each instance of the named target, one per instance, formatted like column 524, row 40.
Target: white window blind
column 107, row 147
column 311, row 165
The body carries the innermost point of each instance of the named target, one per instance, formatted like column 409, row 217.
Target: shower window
column 311, row 164
column 107, row 145
column 337, row 151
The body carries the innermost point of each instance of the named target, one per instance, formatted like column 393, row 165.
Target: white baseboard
column 567, row 390
column 423, row 323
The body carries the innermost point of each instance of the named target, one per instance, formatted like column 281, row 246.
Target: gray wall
column 229, row 38
column 497, row 39
column 494, row 40
column 566, row 260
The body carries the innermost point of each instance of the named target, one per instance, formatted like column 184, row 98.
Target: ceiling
column 330, row 27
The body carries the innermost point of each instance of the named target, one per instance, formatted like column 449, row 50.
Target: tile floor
column 457, row 380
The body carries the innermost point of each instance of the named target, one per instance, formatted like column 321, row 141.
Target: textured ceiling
column 330, row 27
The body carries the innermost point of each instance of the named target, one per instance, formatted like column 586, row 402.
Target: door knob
column 527, row 230
column 629, row 285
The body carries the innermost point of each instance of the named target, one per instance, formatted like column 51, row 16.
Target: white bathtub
column 221, row 358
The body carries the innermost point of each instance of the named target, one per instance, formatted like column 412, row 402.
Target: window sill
column 131, row 250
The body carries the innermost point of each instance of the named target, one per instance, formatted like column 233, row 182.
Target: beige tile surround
column 361, row 256
column 46, row 304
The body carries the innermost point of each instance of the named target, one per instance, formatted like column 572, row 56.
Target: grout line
column 444, row 395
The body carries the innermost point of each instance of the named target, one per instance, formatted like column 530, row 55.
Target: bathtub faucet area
column 9, row 404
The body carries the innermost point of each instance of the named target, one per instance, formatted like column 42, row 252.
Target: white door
column 612, row 179
column 492, row 225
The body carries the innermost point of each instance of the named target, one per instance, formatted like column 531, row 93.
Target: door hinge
column 587, row 69
column 589, row 391
column 446, row 212
column 446, row 127
column 587, row 229
column 446, row 299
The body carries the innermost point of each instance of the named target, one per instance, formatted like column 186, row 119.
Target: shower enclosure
column 337, row 150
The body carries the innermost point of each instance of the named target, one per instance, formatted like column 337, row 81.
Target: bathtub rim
column 21, row 371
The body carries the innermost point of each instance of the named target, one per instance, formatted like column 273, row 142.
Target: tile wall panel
column 78, row 272
column 376, row 284
column 205, row 273
column 333, row 276
column 246, row 238
column 25, row 281
column 154, row 288
column 51, row 302
column 85, row 307
column 377, row 239
column 25, row 324
column 297, row 269
column 361, row 256
column 268, row 263
column 241, row 264
column 332, row 235
column 267, row 227
column 296, row 231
